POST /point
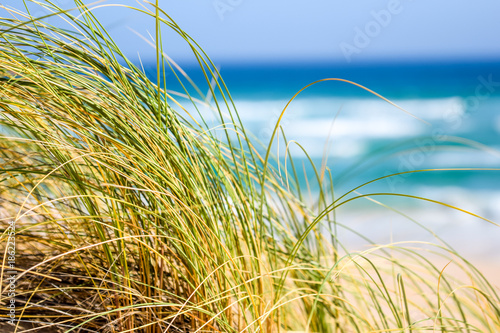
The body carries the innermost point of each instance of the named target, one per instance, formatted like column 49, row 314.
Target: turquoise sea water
column 363, row 137
column 457, row 99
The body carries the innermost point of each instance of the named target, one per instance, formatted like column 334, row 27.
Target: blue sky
column 325, row 30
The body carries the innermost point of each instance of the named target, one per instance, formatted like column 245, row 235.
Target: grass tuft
column 131, row 214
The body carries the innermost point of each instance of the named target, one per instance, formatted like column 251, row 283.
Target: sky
column 309, row 31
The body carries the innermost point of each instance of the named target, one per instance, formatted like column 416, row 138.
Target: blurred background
column 258, row 31
column 439, row 60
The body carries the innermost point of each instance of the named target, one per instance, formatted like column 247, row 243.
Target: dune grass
column 134, row 215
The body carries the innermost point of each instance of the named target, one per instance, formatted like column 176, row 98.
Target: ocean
column 454, row 123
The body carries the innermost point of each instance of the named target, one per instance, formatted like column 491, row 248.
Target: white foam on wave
column 366, row 127
column 350, row 123
column 337, row 148
column 464, row 159
column 328, row 107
